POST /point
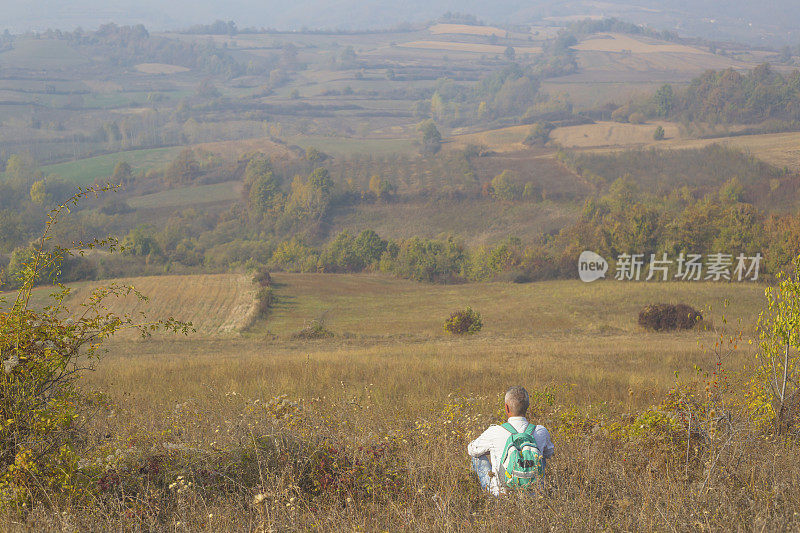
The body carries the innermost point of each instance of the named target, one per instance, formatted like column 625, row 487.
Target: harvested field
column 468, row 47
column 216, row 304
column 160, row 68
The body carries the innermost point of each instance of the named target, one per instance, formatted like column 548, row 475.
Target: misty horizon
column 731, row 20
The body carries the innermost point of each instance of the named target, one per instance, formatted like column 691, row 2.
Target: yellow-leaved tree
column 43, row 352
column 775, row 396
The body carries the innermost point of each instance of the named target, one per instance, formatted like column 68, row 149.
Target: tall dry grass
column 368, row 431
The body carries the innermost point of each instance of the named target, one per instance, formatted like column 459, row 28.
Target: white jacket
column 493, row 442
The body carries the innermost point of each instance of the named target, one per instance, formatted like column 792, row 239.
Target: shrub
column 464, row 322
column 659, row 134
column 669, row 317
column 315, row 330
column 262, row 277
column 44, row 353
column 264, row 299
column 505, row 186
column 540, row 134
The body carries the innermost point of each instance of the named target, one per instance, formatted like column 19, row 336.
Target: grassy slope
column 575, row 347
column 482, row 222
column 580, row 340
column 97, row 169
column 189, row 196
column 41, row 54
column 778, row 149
column 345, row 146
column 379, row 305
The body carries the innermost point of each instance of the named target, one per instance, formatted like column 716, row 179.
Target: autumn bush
column 43, row 354
column 466, row 321
column 669, row 317
column 314, row 330
column 264, row 300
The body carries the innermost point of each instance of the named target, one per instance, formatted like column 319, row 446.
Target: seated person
column 487, row 450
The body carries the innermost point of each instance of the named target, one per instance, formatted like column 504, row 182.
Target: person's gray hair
column 517, row 400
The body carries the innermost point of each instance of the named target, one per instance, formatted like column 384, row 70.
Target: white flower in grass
column 10, row 363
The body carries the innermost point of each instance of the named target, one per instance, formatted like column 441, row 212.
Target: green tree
column 315, row 156
column 340, row 255
column 664, row 100
column 123, row 173
column 310, row 197
column 381, row 188
column 39, row 194
column 265, row 194
column 294, row 256
column 184, row 169
column 430, row 137
column 515, row 96
column 207, row 89
column 22, row 169
column 262, row 187
column 321, row 180
column 732, row 191
column 505, row 187
column 258, row 165
column 370, row 247
column 539, row 134
column 141, row 241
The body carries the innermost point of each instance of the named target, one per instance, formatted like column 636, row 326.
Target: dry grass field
column 160, row 68
column 647, row 66
column 367, row 430
column 498, row 140
column 622, row 58
column 579, row 340
column 613, row 134
column 469, row 47
column 235, row 149
column 591, row 95
column 465, row 29
column 778, row 149
column 216, row 304
column 367, row 305
column 617, row 42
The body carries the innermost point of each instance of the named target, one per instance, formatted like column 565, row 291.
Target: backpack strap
column 508, row 427
column 530, row 429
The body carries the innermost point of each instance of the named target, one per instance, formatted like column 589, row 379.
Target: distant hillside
column 732, row 19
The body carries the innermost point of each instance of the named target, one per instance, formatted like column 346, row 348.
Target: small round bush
column 463, row 322
column 669, row 317
column 315, row 330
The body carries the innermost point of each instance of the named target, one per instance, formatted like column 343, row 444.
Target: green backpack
column 521, row 459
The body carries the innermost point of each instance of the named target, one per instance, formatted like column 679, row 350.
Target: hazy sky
column 774, row 17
